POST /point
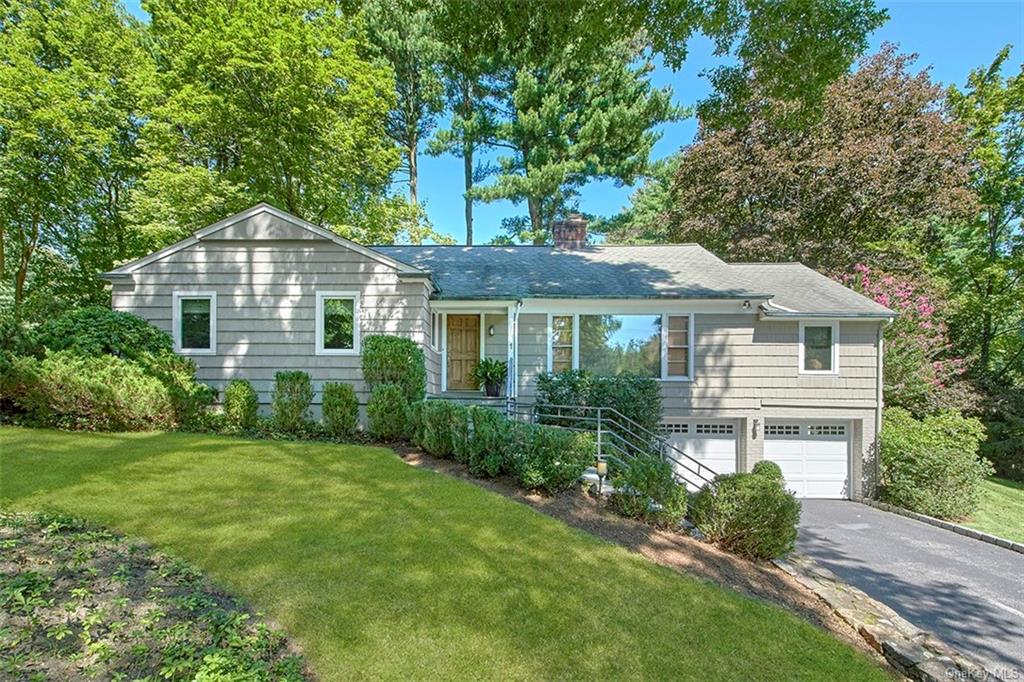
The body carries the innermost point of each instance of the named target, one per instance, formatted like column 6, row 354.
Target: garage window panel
column 782, row 430
column 714, row 429
column 826, row 430
column 672, row 427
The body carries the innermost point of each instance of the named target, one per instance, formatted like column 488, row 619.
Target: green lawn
column 1002, row 509
column 380, row 570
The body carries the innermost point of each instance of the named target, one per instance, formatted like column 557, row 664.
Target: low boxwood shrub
column 99, row 330
column 931, row 465
column 414, row 423
column 241, row 404
column 646, row 489
column 293, row 394
column 395, row 360
column 387, row 412
column 769, row 469
column 341, row 409
column 751, row 515
column 102, row 393
column 551, row 458
column 491, row 442
column 442, row 425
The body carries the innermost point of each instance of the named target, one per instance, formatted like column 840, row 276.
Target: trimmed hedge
column 538, row 457
column 341, row 409
column 387, row 412
column 293, row 394
column 102, row 393
column 636, row 397
column 751, row 515
column 395, row 360
column 241, row 404
column 647, row 490
column 931, row 466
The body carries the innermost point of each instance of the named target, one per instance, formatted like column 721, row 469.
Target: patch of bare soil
column 674, row 550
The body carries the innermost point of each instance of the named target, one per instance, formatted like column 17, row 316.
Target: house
column 756, row 361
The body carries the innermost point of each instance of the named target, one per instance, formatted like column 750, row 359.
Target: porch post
column 511, row 325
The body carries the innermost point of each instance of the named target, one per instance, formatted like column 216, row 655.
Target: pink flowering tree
column 920, row 374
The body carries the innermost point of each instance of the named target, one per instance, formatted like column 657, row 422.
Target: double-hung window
column 819, row 348
column 654, row 345
column 337, row 323
column 194, row 322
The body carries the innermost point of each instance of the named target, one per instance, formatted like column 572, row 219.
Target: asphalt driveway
column 967, row 592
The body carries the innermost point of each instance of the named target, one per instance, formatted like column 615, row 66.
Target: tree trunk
column 467, row 171
column 536, row 221
column 412, row 156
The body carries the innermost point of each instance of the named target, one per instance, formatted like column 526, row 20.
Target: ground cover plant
column 376, row 569
column 77, row 601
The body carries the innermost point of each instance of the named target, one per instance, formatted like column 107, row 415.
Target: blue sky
column 951, row 37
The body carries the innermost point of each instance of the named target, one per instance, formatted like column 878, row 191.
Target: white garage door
column 711, row 442
column 814, row 457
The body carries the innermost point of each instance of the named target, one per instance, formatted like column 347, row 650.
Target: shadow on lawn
column 379, row 569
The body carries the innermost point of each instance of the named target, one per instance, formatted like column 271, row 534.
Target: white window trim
column 435, row 330
column 835, row 348
column 176, row 300
column 320, row 296
column 689, row 347
column 664, row 341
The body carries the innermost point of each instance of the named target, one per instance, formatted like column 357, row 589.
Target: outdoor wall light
column 757, row 422
column 490, row 330
column 602, row 471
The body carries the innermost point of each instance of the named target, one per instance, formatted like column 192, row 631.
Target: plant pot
column 492, row 390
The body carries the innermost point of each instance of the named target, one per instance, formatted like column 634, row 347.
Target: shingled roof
column 662, row 271
column 512, row 272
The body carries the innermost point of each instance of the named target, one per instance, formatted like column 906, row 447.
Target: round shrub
column 341, row 409
column 387, row 412
column 99, row 330
column 293, row 394
column 395, row 360
column 646, row 489
column 750, row 515
column 768, row 469
column 102, row 393
column 414, row 422
column 241, row 404
column 931, row 465
column 552, row 458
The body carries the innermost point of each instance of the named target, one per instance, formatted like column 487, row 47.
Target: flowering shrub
column 920, row 373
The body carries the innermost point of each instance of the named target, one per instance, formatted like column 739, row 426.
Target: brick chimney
column 570, row 233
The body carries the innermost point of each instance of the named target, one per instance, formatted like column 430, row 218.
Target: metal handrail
column 686, row 465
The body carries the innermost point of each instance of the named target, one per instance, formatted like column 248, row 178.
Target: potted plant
column 489, row 374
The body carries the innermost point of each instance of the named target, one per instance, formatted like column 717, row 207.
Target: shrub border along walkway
column 956, row 528
column 912, row 651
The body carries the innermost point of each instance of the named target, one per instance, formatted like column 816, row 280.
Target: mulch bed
column 674, row 550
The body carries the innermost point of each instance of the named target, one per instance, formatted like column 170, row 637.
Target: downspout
column 879, row 392
column 513, row 370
